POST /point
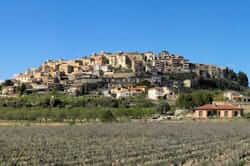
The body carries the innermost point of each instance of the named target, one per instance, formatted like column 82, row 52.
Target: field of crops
column 125, row 144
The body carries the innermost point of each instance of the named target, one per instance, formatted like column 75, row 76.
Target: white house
column 155, row 93
column 23, row 78
column 123, row 94
column 236, row 97
column 106, row 93
column 39, row 86
column 159, row 92
column 231, row 95
column 8, row 90
column 104, row 68
column 187, row 83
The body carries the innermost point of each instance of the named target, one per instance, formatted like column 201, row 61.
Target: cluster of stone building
column 118, row 71
column 106, row 65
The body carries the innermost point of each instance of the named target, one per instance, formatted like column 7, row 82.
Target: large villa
column 218, row 111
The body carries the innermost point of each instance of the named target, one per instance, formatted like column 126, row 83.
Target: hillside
column 104, row 70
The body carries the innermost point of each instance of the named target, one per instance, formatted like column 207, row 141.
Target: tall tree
column 194, row 99
column 21, row 89
column 8, row 83
column 231, row 75
column 163, row 107
column 243, row 79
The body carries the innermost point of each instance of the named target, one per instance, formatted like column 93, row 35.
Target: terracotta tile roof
column 237, row 97
column 141, row 86
column 206, row 107
column 229, row 107
column 218, row 107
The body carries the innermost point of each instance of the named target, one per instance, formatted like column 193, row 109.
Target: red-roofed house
column 218, row 111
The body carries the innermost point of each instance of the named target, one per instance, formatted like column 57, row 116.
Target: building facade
column 218, row 111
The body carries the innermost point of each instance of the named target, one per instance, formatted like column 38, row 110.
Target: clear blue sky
column 213, row 31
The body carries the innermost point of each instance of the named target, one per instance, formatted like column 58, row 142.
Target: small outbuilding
column 218, row 111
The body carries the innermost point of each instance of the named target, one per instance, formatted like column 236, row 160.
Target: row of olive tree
column 58, row 100
column 74, row 114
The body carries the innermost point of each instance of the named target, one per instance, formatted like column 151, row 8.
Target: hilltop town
column 121, row 69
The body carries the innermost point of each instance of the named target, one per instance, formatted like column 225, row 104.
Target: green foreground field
column 125, row 144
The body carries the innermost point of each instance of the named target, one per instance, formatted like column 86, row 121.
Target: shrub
column 107, row 116
column 163, row 108
column 196, row 98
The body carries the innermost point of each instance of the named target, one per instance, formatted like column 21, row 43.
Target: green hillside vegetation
column 198, row 98
column 56, row 107
column 59, row 108
column 231, row 80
